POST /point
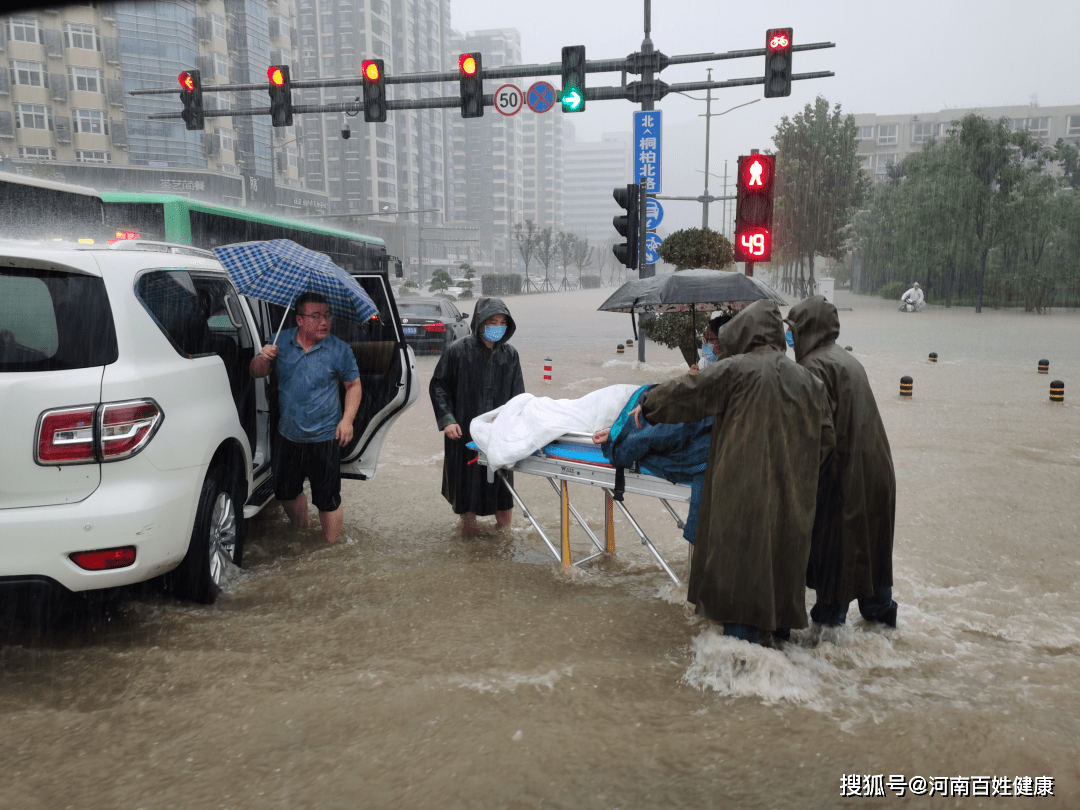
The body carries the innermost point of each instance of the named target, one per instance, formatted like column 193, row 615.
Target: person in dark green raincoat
column 476, row 374
column 772, row 431
column 851, row 552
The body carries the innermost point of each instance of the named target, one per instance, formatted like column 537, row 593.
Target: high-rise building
column 487, row 165
column 591, row 170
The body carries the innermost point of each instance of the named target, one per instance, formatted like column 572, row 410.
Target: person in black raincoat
column 476, row 374
column 851, row 552
column 772, row 431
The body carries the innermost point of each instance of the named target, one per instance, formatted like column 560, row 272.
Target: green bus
column 46, row 210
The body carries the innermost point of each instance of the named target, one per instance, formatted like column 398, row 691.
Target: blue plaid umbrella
column 279, row 271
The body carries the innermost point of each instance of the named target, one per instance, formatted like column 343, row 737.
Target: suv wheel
column 216, row 542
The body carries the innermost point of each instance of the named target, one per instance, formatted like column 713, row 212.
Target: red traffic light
column 276, row 76
column 370, row 70
column 467, row 64
column 779, row 39
column 187, row 81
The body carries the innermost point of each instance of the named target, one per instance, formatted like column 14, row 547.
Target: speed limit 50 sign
column 508, row 99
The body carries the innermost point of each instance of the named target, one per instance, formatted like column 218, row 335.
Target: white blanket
column 526, row 423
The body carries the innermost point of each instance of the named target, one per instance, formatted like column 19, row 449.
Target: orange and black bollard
column 620, row 349
column 1044, row 366
column 906, row 384
column 1057, row 391
column 933, row 357
column 629, row 341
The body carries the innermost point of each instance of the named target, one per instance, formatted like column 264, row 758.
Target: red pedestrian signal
column 754, row 208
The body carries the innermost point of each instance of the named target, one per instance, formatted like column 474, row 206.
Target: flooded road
column 408, row 668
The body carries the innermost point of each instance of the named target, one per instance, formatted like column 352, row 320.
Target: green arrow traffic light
column 571, row 100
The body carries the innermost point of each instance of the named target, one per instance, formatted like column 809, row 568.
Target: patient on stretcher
column 528, row 423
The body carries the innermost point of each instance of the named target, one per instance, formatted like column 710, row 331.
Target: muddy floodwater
column 408, row 668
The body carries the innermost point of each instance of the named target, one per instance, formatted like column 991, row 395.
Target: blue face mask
column 494, row 333
column 790, row 339
column 707, row 354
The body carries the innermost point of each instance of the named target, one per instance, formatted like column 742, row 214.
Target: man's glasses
column 317, row 316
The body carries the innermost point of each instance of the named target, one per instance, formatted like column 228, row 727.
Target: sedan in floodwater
column 431, row 324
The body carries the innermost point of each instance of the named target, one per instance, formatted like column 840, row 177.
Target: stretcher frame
column 564, row 471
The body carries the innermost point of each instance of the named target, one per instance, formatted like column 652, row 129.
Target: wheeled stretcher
column 574, row 457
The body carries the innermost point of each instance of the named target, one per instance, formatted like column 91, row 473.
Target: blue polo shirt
column 310, row 406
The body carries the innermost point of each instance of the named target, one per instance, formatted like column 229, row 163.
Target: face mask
column 707, row 354
column 494, row 333
column 790, row 339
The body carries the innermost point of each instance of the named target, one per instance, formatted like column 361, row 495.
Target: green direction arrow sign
column 571, row 99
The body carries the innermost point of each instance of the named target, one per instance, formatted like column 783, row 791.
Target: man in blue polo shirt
column 313, row 429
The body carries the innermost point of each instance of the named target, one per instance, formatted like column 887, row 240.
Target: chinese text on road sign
column 647, row 150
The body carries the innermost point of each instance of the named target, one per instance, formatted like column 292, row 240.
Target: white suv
column 136, row 443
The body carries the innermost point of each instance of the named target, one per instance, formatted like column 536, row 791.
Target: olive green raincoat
column 771, row 431
column 852, row 547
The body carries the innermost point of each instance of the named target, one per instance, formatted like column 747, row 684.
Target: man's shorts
column 319, row 462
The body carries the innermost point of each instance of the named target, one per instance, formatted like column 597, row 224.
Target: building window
column 1039, row 127
column 866, row 162
column 226, row 168
column 921, row 133
column 89, row 80
column 387, row 190
column 866, row 133
column 1074, row 125
column 33, row 116
column 217, row 25
column 226, row 139
column 37, row 153
column 1017, row 124
column 887, row 133
column 91, row 156
column 93, row 122
column 28, row 73
column 884, row 161
column 82, row 36
column 221, row 65
column 291, row 156
column 25, row 30
column 384, row 150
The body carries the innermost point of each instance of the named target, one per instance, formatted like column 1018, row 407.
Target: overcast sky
column 906, row 57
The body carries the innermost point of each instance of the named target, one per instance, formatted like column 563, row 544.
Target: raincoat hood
column 486, row 308
column 758, row 325
column 814, row 323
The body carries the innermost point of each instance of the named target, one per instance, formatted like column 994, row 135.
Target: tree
column 544, row 250
column 564, row 250
column 818, row 183
column 440, row 280
column 691, row 247
column 583, row 254
column 526, row 236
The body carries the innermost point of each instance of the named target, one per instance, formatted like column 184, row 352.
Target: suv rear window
column 52, row 321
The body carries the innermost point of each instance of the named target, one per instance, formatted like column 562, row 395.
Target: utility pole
column 708, row 119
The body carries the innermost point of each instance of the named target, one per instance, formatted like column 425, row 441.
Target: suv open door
column 387, row 372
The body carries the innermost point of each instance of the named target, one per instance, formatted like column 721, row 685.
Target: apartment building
column 887, row 139
column 591, row 170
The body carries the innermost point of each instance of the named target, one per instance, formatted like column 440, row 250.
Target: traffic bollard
column 1057, row 391
column 1044, row 366
column 906, row 384
column 620, row 349
column 933, row 357
column 547, row 370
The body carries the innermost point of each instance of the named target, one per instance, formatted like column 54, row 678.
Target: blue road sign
column 647, row 150
column 654, row 214
column 652, row 248
column 540, row 97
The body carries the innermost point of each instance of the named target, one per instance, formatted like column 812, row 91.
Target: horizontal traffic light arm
column 631, row 64
column 634, row 91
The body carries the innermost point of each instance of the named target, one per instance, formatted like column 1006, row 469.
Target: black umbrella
column 690, row 291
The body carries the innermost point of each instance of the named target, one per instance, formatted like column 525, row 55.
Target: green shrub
column 590, row 282
column 498, row 285
column 893, row 290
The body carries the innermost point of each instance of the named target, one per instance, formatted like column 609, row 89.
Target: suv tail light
column 435, row 327
column 109, row 431
column 66, row 436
